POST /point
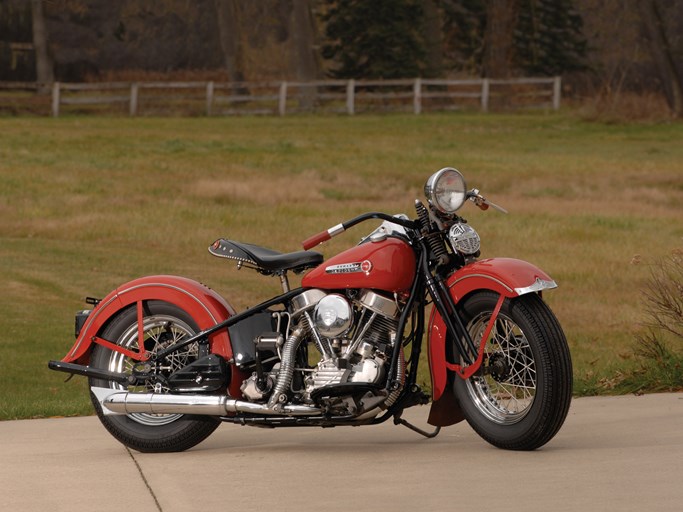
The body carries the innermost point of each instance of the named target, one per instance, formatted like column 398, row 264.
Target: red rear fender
column 204, row 305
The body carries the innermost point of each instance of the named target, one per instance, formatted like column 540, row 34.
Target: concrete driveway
column 613, row 454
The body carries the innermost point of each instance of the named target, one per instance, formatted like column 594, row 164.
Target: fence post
column 55, row 99
column 133, row 99
column 417, row 96
column 350, row 97
column 209, row 98
column 485, row 86
column 282, row 99
column 557, row 91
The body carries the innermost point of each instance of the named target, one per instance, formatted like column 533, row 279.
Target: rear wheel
column 164, row 324
column 520, row 397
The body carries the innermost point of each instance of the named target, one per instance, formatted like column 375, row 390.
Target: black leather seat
column 265, row 259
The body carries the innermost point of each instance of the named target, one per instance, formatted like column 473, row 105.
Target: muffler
column 124, row 402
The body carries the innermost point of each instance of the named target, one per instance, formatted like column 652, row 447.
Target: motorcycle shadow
column 232, row 439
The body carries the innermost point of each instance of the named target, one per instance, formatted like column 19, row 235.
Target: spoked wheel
column 520, row 397
column 164, row 325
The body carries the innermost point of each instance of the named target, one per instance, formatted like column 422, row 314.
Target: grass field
column 89, row 203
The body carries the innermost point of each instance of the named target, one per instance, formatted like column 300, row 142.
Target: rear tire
column 164, row 324
column 520, row 397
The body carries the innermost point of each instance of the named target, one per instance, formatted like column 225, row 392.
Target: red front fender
column 505, row 276
column 204, row 305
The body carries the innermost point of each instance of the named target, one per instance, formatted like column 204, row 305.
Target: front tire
column 520, row 397
column 164, row 324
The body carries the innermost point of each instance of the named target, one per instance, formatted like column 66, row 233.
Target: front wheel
column 164, row 324
column 520, row 397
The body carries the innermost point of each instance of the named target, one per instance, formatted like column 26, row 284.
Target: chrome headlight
column 446, row 190
column 464, row 239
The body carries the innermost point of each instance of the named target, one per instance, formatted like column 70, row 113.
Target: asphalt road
column 613, row 454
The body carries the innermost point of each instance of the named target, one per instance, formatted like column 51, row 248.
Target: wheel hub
column 498, row 367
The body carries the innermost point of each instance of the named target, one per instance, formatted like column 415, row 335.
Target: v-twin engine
column 354, row 335
column 359, row 360
column 355, row 339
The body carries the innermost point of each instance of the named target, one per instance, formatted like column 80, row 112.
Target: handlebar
column 324, row 236
column 314, row 240
column 482, row 203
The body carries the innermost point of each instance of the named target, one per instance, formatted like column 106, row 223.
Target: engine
column 354, row 339
column 354, row 335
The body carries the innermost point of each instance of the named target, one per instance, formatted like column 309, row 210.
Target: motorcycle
column 168, row 359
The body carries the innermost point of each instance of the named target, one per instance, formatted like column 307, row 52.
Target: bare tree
column 302, row 30
column 433, row 36
column 662, row 54
column 44, row 71
column 304, row 58
column 227, row 18
column 499, row 38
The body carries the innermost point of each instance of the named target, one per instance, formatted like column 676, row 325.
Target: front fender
column 204, row 305
column 506, row 276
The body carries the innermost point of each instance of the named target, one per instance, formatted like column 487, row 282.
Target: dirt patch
column 261, row 189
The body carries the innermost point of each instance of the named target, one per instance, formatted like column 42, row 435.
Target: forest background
column 615, row 56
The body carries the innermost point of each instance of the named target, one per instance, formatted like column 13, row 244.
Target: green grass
column 89, row 203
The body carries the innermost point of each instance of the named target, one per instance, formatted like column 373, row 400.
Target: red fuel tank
column 387, row 265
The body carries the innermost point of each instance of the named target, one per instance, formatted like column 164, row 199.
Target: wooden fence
column 282, row 98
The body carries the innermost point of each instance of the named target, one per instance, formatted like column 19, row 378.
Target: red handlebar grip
column 316, row 239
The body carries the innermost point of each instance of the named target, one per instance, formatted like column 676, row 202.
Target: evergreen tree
column 464, row 27
column 374, row 39
column 548, row 38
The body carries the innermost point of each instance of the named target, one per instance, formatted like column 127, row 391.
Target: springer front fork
column 471, row 353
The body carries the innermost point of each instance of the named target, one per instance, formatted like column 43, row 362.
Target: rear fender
column 506, row 276
column 204, row 305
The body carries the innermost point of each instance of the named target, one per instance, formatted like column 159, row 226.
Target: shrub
column 659, row 344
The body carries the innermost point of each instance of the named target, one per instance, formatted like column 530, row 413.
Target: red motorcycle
column 169, row 359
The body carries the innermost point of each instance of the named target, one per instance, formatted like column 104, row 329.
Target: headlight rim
column 431, row 190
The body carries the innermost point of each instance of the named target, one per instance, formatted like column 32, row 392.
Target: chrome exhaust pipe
column 123, row 402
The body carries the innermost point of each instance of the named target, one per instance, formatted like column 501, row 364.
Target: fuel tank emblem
column 350, row 268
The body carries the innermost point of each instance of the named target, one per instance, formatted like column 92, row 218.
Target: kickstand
column 429, row 435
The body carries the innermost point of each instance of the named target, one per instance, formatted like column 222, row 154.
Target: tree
column 432, row 35
column 501, row 17
column 548, row 38
column 227, row 16
column 496, row 38
column 464, row 26
column 663, row 54
column 374, row 39
column 480, row 35
column 304, row 58
column 17, row 62
column 302, row 28
column 44, row 72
